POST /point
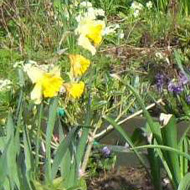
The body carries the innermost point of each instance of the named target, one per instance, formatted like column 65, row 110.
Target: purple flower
column 175, row 87
column 188, row 99
column 160, row 81
column 106, row 151
column 183, row 78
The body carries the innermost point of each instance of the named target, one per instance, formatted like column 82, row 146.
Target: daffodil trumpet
column 74, row 89
column 79, row 64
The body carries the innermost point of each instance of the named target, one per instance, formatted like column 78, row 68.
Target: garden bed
column 122, row 178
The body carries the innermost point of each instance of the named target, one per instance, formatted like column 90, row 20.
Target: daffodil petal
column 91, row 29
column 47, row 84
column 75, row 90
column 36, row 94
column 96, row 31
column 56, row 71
column 34, row 73
column 85, row 43
column 51, row 85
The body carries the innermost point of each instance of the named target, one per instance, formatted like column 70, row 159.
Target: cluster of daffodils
column 90, row 28
column 138, row 7
column 79, row 66
column 48, row 81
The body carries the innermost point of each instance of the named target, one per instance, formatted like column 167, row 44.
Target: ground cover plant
column 71, row 71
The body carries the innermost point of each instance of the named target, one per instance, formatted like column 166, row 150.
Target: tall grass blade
column 185, row 183
column 85, row 132
column 9, row 154
column 169, row 136
column 185, row 155
column 184, row 146
column 66, row 166
column 3, row 165
column 38, row 138
column 63, row 151
column 28, row 157
column 49, row 133
column 155, row 165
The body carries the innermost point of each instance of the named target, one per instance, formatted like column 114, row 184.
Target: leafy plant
column 166, row 144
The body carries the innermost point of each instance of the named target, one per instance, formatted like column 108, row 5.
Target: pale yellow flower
column 90, row 30
column 47, row 84
column 86, row 44
column 79, row 64
column 75, row 90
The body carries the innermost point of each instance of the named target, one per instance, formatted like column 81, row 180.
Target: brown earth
column 123, row 178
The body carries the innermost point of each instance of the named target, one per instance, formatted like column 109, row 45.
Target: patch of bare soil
column 123, row 178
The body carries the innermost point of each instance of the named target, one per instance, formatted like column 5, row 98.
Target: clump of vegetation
column 71, row 71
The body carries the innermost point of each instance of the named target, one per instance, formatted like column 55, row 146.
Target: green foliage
column 185, row 183
column 98, row 162
column 169, row 133
column 7, row 57
column 165, row 139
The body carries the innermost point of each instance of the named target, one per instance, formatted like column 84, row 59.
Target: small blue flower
column 160, row 81
column 106, row 151
column 175, row 87
column 183, row 78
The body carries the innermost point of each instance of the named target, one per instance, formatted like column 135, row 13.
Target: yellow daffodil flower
column 95, row 32
column 75, row 90
column 79, row 64
column 90, row 30
column 47, row 84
